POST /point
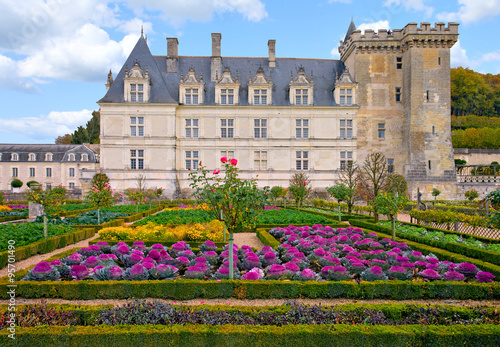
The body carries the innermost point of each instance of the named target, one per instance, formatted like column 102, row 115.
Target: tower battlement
column 399, row 40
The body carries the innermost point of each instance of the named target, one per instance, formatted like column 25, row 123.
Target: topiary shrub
column 31, row 183
column 17, row 183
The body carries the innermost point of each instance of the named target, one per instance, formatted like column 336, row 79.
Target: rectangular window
column 192, row 160
column 227, row 96
column 301, row 161
column 302, row 128
column 15, row 172
column 345, row 159
column 260, row 97
column 192, row 96
column 48, row 186
column 398, row 94
column 48, row 172
column 346, row 97
column 260, row 160
column 137, row 159
column 136, row 130
column 71, row 172
column 192, row 128
column 260, row 128
column 32, row 172
column 301, row 97
column 346, row 128
column 399, row 63
column 228, row 154
column 381, row 131
column 390, row 165
column 227, row 128
column 71, row 185
column 137, row 93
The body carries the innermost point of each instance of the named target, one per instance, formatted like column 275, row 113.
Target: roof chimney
column 216, row 60
column 271, row 44
column 172, row 54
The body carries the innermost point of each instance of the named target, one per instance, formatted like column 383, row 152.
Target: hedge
column 482, row 254
column 47, row 245
column 266, row 238
column 344, row 216
column 193, row 244
column 419, row 246
column 249, row 335
column 9, row 218
column 185, row 289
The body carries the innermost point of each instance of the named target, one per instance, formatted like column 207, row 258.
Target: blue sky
column 55, row 54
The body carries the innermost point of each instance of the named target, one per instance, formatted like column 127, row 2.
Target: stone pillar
column 172, row 54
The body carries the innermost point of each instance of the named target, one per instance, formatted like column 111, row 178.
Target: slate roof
column 60, row 152
column 165, row 86
column 350, row 30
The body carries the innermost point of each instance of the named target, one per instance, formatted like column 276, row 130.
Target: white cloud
column 134, row 26
column 177, row 12
column 411, row 5
column 458, row 56
column 472, row 11
column 335, row 53
column 381, row 24
column 85, row 56
column 46, row 127
column 10, row 78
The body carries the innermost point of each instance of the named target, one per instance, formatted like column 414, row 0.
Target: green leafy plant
column 30, row 183
column 341, row 192
column 471, row 194
column 390, row 205
column 277, row 192
column 232, row 200
column 16, row 183
column 435, row 193
column 299, row 188
column 100, row 194
column 374, row 174
column 50, row 200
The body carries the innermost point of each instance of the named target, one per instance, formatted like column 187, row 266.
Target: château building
column 389, row 93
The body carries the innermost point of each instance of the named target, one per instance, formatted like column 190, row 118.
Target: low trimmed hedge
column 481, row 254
column 185, row 289
column 193, row 244
column 9, row 218
column 247, row 335
column 439, row 252
column 47, row 245
column 266, row 238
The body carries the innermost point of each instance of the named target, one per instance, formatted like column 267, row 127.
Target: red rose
column 233, row 162
column 223, row 160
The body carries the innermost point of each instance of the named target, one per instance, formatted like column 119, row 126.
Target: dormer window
column 136, row 84
column 14, row 157
column 85, row 157
column 301, row 89
column 191, row 89
column 227, row 89
column 345, row 90
column 32, row 157
column 136, row 92
column 49, row 157
column 227, row 96
column 260, row 89
column 71, row 157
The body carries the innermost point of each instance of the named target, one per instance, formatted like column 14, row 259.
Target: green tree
column 64, row 139
column 51, row 200
column 396, row 184
column 235, row 202
column 277, row 192
column 100, row 194
column 390, row 205
column 471, row 194
column 435, row 193
column 299, row 187
column 350, row 176
column 100, row 180
column 341, row 192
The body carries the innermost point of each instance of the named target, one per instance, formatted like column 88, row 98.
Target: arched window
column 85, row 157
column 32, row 157
column 71, row 157
column 15, row 157
column 49, row 157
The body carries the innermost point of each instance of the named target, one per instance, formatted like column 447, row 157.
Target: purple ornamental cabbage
column 194, row 272
column 107, row 273
column 223, row 274
column 148, row 265
column 453, row 276
column 275, row 271
column 154, row 254
column 251, row 276
column 79, row 272
column 269, row 259
column 63, row 269
column 467, row 269
column 211, row 257
column 485, row 277
column 430, row 274
column 329, row 261
column 42, row 271
column 306, row 275
column 182, row 261
column 136, row 273
column 373, row 273
column 208, row 246
column 73, row 259
column 163, row 272
column 91, row 261
column 399, row 273
column 132, row 259
column 158, row 247
column 88, row 251
column 251, row 261
column 335, row 273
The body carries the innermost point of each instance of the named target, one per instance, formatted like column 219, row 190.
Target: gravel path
column 247, row 239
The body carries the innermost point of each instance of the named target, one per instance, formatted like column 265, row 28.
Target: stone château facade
column 389, row 92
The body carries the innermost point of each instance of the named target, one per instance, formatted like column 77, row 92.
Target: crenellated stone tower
column 403, row 93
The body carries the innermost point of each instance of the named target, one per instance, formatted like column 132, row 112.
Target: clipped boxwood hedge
column 476, row 253
column 248, row 335
column 266, row 238
column 9, row 218
column 47, row 245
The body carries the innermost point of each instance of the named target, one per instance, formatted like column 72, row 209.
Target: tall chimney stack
column 271, row 44
column 216, row 60
column 172, row 54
